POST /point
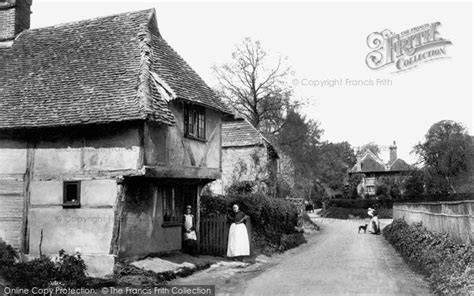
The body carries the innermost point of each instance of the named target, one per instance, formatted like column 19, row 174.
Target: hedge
column 273, row 219
column 354, row 213
column 8, row 255
column 66, row 271
column 448, row 266
column 388, row 203
column 437, row 197
column 360, row 203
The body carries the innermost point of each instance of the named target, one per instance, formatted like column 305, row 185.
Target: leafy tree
column 445, row 152
column 382, row 191
column 395, row 191
column 255, row 84
column 389, row 187
column 374, row 148
column 350, row 188
column 334, row 160
column 299, row 138
column 414, row 184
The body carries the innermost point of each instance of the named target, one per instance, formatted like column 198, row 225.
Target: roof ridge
column 151, row 10
column 144, row 76
column 190, row 69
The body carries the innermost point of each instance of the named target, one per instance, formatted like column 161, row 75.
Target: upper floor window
column 195, row 121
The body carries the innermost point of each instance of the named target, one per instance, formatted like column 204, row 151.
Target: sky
column 326, row 46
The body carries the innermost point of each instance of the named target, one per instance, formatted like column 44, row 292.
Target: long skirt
column 374, row 226
column 238, row 243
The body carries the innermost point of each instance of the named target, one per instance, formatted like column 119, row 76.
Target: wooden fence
column 214, row 233
column 456, row 218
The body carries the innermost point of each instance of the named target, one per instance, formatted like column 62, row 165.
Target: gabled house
column 373, row 169
column 246, row 156
column 106, row 134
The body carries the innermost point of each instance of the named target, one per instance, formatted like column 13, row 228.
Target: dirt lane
column 335, row 261
column 340, row 262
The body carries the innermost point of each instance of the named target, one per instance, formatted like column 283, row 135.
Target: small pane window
column 195, row 121
column 172, row 204
column 72, row 194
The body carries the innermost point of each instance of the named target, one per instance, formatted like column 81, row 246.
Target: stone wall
column 248, row 163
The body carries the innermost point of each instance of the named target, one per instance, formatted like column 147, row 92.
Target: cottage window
column 72, row 194
column 172, row 205
column 195, row 122
column 371, row 189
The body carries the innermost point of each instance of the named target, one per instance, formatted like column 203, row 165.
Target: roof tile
column 94, row 71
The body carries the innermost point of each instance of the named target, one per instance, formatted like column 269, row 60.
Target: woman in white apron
column 238, row 244
column 374, row 225
column 189, row 233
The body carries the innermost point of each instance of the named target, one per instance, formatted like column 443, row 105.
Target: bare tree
column 255, row 86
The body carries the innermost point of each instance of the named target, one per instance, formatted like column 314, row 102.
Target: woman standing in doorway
column 238, row 244
column 189, row 233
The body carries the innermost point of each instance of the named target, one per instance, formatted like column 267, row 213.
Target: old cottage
column 106, row 134
column 246, row 156
column 373, row 169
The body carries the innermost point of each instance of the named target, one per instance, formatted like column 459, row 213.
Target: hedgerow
column 351, row 213
column 360, row 203
column 448, row 266
column 273, row 219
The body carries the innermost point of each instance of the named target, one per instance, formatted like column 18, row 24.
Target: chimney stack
column 393, row 152
column 14, row 18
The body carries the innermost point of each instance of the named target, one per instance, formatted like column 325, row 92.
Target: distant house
column 106, row 134
column 246, row 156
column 373, row 168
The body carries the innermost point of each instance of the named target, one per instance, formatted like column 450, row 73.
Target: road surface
column 335, row 261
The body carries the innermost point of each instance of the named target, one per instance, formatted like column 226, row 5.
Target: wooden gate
column 213, row 234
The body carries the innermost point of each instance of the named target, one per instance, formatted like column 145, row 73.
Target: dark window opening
column 175, row 200
column 72, row 194
column 195, row 121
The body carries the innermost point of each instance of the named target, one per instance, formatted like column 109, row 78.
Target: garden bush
column 448, row 266
column 67, row 271
column 8, row 255
column 241, row 187
column 36, row 273
column 271, row 217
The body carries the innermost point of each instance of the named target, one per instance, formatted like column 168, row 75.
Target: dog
column 363, row 227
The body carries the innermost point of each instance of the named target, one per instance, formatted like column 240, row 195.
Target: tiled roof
column 182, row 79
column 94, row 71
column 369, row 162
column 239, row 133
column 399, row 165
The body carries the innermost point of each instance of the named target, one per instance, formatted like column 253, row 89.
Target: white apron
column 374, row 222
column 238, row 243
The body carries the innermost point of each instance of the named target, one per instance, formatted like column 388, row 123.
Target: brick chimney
column 14, row 18
column 393, row 152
